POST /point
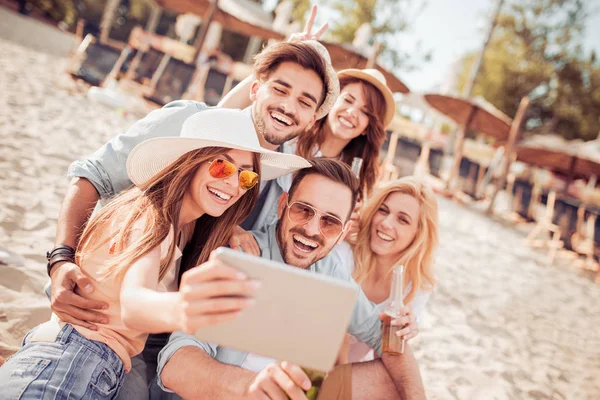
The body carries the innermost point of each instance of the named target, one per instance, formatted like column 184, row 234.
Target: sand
column 502, row 324
column 46, row 122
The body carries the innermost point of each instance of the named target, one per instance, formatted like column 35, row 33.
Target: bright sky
column 450, row 28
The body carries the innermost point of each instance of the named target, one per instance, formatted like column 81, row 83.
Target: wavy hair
column 139, row 219
column 418, row 257
column 365, row 146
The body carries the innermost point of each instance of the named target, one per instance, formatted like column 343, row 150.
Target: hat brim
column 154, row 155
column 390, row 102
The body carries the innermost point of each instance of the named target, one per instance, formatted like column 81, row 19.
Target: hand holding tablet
column 298, row 316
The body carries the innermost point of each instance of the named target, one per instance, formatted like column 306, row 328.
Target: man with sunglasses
column 313, row 218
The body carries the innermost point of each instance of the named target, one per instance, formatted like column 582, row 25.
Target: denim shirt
column 364, row 322
column 106, row 168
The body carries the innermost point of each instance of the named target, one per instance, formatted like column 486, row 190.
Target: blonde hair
column 417, row 258
column 139, row 219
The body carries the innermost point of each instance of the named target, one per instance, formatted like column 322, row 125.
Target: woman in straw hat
column 398, row 226
column 355, row 125
column 189, row 192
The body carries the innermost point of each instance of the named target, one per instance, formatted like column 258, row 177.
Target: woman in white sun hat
column 190, row 191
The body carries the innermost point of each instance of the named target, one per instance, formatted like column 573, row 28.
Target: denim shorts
column 72, row 367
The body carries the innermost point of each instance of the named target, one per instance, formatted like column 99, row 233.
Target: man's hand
column 213, row 293
column 69, row 306
column 307, row 34
column 245, row 240
column 279, row 381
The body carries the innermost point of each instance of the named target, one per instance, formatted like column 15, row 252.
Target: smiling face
column 394, row 225
column 348, row 117
column 303, row 245
column 285, row 104
column 213, row 196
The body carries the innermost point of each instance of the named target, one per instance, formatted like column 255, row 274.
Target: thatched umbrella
column 471, row 116
column 572, row 159
column 241, row 16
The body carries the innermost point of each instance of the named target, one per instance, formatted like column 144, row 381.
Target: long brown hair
column 418, row 257
column 139, row 219
column 365, row 146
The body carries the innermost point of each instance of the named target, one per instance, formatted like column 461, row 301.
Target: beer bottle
column 390, row 342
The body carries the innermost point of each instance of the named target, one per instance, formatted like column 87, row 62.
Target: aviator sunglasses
column 222, row 169
column 302, row 213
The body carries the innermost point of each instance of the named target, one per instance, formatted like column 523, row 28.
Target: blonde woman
column 398, row 225
column 190, row 191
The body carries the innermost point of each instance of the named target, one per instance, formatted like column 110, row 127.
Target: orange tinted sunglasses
column 222, row 169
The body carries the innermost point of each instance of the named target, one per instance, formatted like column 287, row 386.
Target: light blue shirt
column 106, row 168
column 364, row 322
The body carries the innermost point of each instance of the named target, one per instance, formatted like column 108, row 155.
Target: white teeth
column 281, row 118
column 219, row 194
column 305, row 242
column 385, row 237
column 345, row 122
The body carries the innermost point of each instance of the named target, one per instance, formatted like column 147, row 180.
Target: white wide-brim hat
column 217, row 127
column 375, row 78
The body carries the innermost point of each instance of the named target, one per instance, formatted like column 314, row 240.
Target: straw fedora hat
column 332, row 84
column 375, row 78
column 217, row 127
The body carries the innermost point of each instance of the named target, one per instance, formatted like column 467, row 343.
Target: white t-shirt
column 358, row 350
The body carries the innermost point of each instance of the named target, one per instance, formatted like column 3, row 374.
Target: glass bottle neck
column 396, row 300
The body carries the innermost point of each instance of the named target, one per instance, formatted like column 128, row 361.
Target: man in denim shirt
column 312, row 220
column 295, row 85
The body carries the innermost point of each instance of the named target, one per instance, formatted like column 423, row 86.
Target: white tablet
column 299, row 316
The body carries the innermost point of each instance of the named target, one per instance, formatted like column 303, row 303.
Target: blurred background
column 498, row 107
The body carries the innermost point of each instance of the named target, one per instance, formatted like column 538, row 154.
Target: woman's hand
column 213, row 293
column 307, row 34
column 244, row 240
column 408, row 322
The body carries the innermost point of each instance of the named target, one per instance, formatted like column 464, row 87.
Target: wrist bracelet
column 58, row 254
column 62, row 249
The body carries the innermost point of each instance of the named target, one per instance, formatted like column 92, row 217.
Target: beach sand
column 502, row 323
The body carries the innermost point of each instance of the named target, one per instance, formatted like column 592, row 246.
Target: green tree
column 300, row 11
column 536, row 51
column 389, row 19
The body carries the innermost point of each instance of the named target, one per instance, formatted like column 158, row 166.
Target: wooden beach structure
column 471, row 116
column 575, row 219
